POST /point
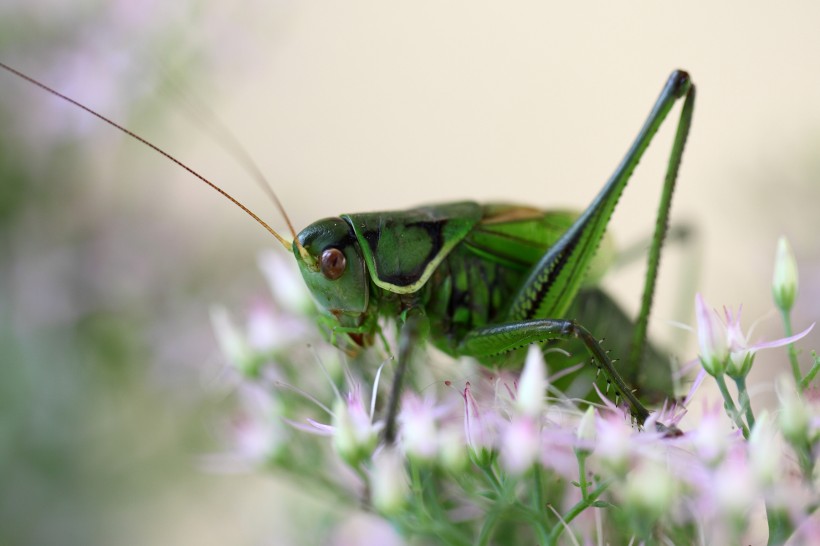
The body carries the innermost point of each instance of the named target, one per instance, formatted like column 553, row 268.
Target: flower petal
column 783, row 341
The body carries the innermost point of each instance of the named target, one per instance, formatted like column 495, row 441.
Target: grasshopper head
column 334, row 269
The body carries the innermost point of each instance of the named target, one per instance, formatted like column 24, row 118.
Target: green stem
column 582, row 460
column 488, row 472
column 806, row 462
column 579, row 507
column 809, row 377
column 505, row 491
column 787, row 326
column 780, row 526
column 729, row 405
column 432, row 516
column 486, row 530
column 744, row 401
column 538, row 502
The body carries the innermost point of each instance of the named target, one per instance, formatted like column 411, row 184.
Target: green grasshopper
column 484, row 280
column 481, row 280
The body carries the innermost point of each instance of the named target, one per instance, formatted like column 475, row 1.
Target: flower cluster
column 484, row 457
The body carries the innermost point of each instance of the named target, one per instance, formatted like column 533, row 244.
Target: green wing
column 517, row 237
column 402, row 249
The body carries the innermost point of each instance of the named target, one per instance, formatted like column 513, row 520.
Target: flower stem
column 492, row 479
column 582, row 477
column 806, row 462
column 787, row 326
column 538, row 503
column 809, row 377
column 744, row 401
column 729, row 405
column 780, row 526
column 505, row 495
column 579, row 507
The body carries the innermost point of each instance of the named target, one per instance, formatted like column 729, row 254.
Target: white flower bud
column 651, row 489
column 794, row 417
column 784, row 280
column 453, row 454
column 765, row 453
column 388, row 482
column 231, row 342
column 586, row 431
column 532, row 384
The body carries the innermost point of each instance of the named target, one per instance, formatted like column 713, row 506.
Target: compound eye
column 332, row 263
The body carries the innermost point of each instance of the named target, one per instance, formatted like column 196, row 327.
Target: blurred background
column 110, row 256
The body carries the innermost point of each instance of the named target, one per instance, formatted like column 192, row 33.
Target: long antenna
column 225, row 138
column 159, row 150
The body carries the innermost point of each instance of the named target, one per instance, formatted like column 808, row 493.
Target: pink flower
column 354, row 434
column 725, row 347
column 479, row 427
column 741, row 353
column 710, row 439
column 256, row 434
column 614, row 441
column 521, row 444
column 714, row 351
column 418, row 435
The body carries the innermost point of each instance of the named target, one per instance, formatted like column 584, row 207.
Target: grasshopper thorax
column 335, row 273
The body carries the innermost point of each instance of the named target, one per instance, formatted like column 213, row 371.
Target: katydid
column 479, row 280
column 483, row 280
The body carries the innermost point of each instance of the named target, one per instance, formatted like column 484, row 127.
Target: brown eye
column 332, row 263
